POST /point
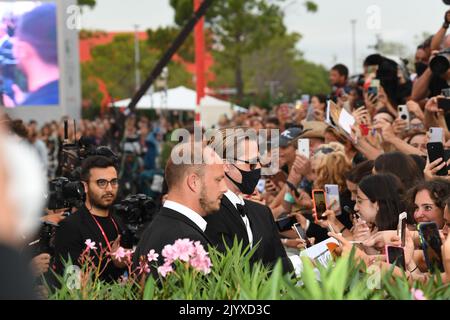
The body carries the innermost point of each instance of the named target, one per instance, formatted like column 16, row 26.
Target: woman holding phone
column 378, row 202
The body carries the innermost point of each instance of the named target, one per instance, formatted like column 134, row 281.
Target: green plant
column 232, row 276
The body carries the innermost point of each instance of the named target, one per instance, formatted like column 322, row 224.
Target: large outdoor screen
column 29, row 69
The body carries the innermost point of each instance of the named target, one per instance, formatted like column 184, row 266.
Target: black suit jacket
column 226, row 224
column 167, row 226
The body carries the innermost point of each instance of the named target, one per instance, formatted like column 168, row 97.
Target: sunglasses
column 253, row 162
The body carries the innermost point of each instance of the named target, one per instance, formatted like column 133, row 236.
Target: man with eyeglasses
column 94, row 220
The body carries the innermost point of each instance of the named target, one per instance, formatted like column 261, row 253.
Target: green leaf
column 150, row 288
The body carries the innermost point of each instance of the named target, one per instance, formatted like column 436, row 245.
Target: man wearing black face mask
column 247, row 221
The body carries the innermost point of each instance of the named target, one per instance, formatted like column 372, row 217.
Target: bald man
column 196, row 184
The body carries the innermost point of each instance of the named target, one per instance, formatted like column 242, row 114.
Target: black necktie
column 242, row 210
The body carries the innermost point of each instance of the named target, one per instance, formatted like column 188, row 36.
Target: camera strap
column 103, row 231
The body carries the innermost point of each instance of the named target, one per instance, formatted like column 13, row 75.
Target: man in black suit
column 248, row 221
column 195, row 189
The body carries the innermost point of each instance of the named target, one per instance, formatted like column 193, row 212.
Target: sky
column 326, row 34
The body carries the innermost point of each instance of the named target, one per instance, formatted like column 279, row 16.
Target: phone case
column 401, row 228
column 316, row 217
column 332, row 194
column 421, row 227
column 303, row 147
column 403, row 114
column 436, row 134
column 436, row 151
column 388, row 260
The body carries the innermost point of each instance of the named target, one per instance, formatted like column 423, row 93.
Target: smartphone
column 285, row 223
column 301, row 233
column 332, row 198
column 293, row 188
column 403, row 114
column 303, row 147
column 305, row 100
column 436, row 151
column 261, row 186
column 319, row 202
column 436, row 134
column 396, row 256
column 431, row 243
column 401, row 228
column 372, row 91
column 443, row 103
column 374, row 87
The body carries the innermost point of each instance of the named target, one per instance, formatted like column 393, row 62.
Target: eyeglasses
column 253, row 162
column 103, row 183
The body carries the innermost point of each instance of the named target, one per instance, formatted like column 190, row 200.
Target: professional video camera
column 74, row 152
column 65, row 194
column 136, row 211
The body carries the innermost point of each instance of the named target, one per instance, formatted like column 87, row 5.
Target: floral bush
column 189, row 272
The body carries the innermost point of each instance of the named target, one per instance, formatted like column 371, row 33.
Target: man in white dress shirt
column 195, row 190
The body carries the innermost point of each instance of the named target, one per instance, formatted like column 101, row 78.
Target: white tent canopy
column 184, row 99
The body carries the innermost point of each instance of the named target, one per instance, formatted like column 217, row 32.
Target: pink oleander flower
column 169, row 253
column 165, row 269
column 152, row 256
column 184, row 249
column 90, row 244
column 119, row 254
column 417, row 294
column 199, row 250
column 201, row 264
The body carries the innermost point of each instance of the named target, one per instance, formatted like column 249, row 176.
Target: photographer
column 432, row 80
column 94, row 220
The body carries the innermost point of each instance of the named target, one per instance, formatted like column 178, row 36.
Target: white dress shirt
column 235, row 200
column 187, row 212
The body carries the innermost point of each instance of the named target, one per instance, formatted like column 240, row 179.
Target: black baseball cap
column 289, row 135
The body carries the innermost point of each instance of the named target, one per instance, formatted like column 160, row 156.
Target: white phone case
column 436, row 134
column 303, row 147
column 403, row 114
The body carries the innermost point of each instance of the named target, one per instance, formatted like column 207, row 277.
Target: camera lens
column 404, row 116
column 439, row 64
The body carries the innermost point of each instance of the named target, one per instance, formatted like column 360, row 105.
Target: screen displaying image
column 29, row 70
column 319, row 199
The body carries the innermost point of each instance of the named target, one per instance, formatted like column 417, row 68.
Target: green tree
column 163, row 37
column 239, row 28
column 113, row 63
column 313, row 78
column 273, row 67
column 89, row 3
